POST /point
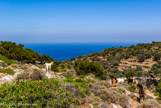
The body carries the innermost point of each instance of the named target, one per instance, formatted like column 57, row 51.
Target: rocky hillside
column 84, row 82
column 31, row 85
column 142, row 59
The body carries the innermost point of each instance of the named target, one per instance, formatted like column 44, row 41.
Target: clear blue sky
column 41, row 21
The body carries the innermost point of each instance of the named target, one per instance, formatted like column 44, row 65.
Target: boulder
column 116, row 106
column 104, row 105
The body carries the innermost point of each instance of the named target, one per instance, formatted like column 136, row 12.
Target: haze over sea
column 66, row 51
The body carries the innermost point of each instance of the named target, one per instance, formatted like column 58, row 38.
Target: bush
column 84, row 68
column 149, row 103
column 45, row 93
column 115, row 62
column 62, row 66
column 157, row 71
column 157, row 56
column 31, row 75
column 17, row 52
column 68, row 66
column 130, row 74
column 159, row 90
column 139, row 74
column 55, row 67
column 132, row 87
column 8, row 61
column 147, row 55
column 140, row 57
column 139, row 68
column 8, row 71
column 79, row 86
column 109, row 95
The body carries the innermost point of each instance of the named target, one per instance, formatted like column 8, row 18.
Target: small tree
column 157, row 56
column 140, row 57
column 130, row 74
column 159, row 90
column 84, row 68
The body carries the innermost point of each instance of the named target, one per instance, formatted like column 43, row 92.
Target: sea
column 67, row 51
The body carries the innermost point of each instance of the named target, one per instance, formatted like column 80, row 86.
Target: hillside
column 82, row 83
column 142, row 58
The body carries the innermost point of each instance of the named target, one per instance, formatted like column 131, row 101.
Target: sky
column 80, row 21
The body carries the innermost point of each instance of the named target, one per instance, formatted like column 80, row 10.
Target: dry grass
column 149, row 103
column 125, row 63
column 30, row 74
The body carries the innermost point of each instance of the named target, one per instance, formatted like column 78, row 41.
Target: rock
column 85, row 100
column 116, row 106
column 134, row 96
column 103, row 105
column 6, row 78
column 71, row 88
column 128, row 105
column 150, row 103
column 17, row 72
column 35, row 67
column 127, row 92
column 148, row 97
column 49, row 75
column 91, row 106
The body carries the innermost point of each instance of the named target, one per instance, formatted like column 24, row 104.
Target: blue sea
column 66, row 51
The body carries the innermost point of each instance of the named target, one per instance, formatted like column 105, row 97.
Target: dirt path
column 134, row 102
column 150, row 94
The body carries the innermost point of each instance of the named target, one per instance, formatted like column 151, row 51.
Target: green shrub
column 68, row 66
column 139, row 74
column 17, row 52
column 8, row 61
column 141, row 57
column 44, row 93
column 8, row 71
column 130, row 74
column 157, row 56
column 63, row 70
column 72, row 59
column 157, row 71
column 159, row 90
column 31, row 75
column 14, row 66
column 62, row 66
column 55, row 67
column 81, row 84
column 132, row 87
column 115, row 62
column 139, row 68
column 84, row 68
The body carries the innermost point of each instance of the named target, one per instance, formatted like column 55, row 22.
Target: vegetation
column 141, row 57
column 33, row 87
column 81, row 84
column 55, row 67
column 130, row 74
column 156, row 69
column 84, row 68
column 8, row 61
column 8, row 71
column 68, row 66
column 17, row 52
column 31, row 75
column 40, row 94
column 111, row 59
column 159, row 90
